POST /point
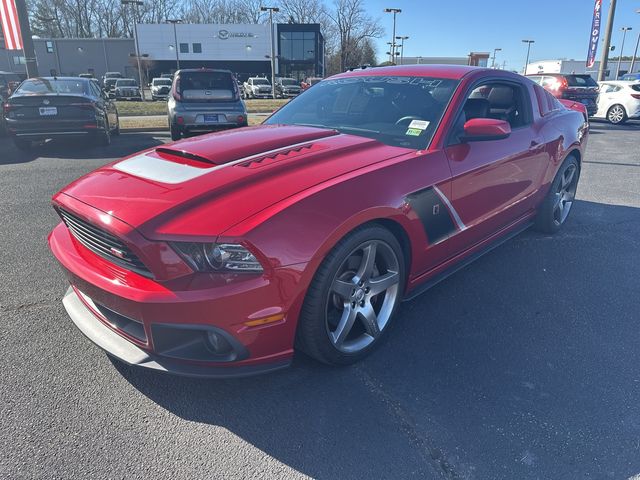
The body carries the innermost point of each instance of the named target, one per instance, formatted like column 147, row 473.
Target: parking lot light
column 136, row 4
column 402, row 39
column 635, row 52
column 493, row 63
column 624, row 36
column 395, row 11
column 273, row 58
column 528, row 42
column 175, row 39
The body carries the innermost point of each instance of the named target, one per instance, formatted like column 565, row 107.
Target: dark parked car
column 577, row 87
column 287, row 87
column 50, row 107
column 9, row 81
column 204, row 100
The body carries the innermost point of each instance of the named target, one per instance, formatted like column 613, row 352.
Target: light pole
column 493, row 63
column 624, row 35
column 402, row 39
column 273, row 58
column 136, row 4
column 392, row 55
column 175, row 39
column 604, row 59
column 635, row 52
column 528, row 42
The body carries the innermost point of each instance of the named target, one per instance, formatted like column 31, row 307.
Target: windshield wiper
column 358, row 130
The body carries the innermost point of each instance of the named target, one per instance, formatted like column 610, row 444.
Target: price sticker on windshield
column 419, row 124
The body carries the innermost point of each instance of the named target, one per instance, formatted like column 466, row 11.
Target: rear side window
column 207, row 86
column 547, row 103
column 580, row 81
column 636, row 87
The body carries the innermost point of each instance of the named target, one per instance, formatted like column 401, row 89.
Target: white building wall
column 219, row 41
column 576, row 66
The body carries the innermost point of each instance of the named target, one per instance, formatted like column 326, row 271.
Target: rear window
column 37, row 86
column 580, row 81
column 207, row 86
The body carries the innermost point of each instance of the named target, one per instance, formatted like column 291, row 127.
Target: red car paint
column 288, row 194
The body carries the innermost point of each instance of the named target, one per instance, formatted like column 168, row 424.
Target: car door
column 494, row 182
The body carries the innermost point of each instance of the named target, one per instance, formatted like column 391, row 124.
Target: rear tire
column 556, row 206
column 176, row 134
column 353, row 296
column 617, row 115
column 105, row 137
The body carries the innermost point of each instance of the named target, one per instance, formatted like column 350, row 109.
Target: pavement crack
column 26, row 306
column 431, row 454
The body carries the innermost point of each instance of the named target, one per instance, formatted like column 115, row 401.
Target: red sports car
column 219, row 255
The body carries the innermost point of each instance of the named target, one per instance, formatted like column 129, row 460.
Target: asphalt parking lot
column 524, row 365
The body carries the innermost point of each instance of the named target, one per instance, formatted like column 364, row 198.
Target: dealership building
column 244, row 49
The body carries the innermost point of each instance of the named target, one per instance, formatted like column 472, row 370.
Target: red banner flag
column 10, row 25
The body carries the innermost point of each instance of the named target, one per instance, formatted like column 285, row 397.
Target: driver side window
column 497, row 100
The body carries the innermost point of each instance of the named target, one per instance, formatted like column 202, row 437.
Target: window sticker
column 414, row 132
column 419, row 124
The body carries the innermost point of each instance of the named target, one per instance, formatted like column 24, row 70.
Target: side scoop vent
column 285, row 154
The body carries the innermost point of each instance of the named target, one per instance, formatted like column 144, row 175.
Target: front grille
column 102, row 243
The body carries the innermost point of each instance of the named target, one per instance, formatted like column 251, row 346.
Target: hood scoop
column 186, row 158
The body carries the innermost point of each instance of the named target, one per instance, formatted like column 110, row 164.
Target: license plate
column 209, row 118
column 48, row 111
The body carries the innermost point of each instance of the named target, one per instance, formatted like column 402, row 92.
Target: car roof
column 454, row 72
column 619, row 82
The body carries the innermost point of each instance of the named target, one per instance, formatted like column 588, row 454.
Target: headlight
column 217, row 257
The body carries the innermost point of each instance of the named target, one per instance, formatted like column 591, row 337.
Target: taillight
column 6, row 108
column 176, row 89
column 83, row 105
column 636, row 95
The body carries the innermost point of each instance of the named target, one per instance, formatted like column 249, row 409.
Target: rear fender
column 577, row 106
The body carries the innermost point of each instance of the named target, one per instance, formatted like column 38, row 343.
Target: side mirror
column 483, row 129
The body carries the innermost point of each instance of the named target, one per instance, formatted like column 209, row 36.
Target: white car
column 619, row 101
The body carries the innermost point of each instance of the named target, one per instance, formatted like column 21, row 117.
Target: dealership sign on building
column 595, row 34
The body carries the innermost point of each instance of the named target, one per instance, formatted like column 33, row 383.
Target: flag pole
column 27, row 42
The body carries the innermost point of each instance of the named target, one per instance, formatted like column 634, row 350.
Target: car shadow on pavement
column 522, row 365
column 83, row 148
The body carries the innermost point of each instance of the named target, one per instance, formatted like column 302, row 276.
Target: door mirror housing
column 484, row 129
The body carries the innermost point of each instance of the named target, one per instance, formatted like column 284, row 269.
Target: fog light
column 217, row 343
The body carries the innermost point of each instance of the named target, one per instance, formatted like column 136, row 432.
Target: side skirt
column 420, row 289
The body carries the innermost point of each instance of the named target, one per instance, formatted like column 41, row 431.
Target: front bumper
column 165, row 326
column 131, row 354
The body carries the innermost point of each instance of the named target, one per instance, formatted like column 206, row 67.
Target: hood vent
column 186, row 158
column 263, row 161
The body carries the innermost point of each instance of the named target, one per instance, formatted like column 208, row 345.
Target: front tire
column 617, row 115
column 556, row 206
column 353, row 296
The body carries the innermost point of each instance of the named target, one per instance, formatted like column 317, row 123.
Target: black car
column 570, row 86
column 287, row 87
column 54, row 107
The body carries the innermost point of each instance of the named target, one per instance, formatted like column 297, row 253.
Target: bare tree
column 353, row 26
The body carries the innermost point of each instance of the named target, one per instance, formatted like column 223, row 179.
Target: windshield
column 399, row 111
column 126, row 83
column 581, row 81
column 260, row 81
column 161, row 81
column 38, row 86
column 207, row 86
column 288, row 81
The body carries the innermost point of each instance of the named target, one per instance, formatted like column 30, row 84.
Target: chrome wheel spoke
column 383, row 282
column 343, row 289
column 345, row 325
column 368, row 262
column 567, row 178
column 370, row 320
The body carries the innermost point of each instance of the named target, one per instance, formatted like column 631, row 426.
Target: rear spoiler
column 577, row 106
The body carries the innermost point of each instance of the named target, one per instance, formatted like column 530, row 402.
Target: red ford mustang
column 218, row 255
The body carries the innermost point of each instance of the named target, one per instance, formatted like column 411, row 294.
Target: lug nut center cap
column 359, row 295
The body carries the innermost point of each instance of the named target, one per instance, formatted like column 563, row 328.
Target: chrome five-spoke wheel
column 351, row 301
column 363, row 295
column 565, row 194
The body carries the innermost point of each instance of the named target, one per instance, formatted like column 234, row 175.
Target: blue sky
column 456, row 27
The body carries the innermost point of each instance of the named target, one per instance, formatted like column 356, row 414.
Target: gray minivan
column 204, row 100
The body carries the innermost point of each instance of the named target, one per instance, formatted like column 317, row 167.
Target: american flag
column 10, row 25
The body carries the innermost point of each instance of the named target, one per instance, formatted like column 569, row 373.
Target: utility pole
column 604, row 59
column 528, row 42
column 493, row 63
column 175, row 39
column 392, row 55
column 402, row 39
column 624, row 36
column 27, row 42
column 135, row 4
column 273, row 58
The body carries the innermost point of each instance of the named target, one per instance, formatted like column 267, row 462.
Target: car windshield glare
column 401, row 111
column 39, row 86
column 207, row 86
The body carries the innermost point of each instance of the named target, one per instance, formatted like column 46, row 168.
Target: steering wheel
column 407, row 118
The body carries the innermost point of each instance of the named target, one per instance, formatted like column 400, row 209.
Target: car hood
column 203, row 186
